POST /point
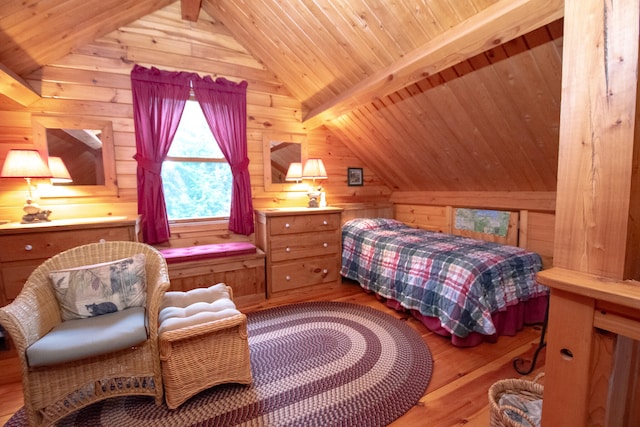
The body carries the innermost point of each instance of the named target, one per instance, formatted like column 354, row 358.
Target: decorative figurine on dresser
column 302, row 246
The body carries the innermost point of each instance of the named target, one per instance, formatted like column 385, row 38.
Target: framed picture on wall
column 354, row 176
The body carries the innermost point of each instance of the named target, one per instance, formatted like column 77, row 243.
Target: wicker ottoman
column 202, row 341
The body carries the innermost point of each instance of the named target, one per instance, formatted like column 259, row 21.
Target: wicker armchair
column 52, row 392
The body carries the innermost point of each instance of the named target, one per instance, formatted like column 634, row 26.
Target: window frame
column 211, row 220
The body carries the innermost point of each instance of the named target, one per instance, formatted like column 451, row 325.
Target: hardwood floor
column 458, row 391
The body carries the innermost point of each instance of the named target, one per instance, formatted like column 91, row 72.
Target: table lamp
column 27, row 164
column 314, row 169
column 59, row 172
column 294, row 173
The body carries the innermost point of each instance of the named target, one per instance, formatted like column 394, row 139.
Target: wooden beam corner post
column 190, row 9
column 594, row 233
column 597, row 125
column 568, row 357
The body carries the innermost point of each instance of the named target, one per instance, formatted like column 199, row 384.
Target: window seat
column 216, row 250
column 238, row 264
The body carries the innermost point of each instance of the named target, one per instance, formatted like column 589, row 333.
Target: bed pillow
column 375, row 223
column 92, row 290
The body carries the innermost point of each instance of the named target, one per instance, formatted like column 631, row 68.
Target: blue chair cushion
column 80, row 338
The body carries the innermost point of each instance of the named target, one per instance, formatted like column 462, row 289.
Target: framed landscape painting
column 354, row 176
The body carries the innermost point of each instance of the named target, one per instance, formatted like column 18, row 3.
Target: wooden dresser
column 25, row 246
column 302, row 247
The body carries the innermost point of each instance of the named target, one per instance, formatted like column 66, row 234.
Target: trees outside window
column 196, row 177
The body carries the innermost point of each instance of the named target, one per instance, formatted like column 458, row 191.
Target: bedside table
column 302, row 246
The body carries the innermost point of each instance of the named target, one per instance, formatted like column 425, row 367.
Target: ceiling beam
column 493, row 26
column 190, row 9
column 13, row 87
column 87, row 137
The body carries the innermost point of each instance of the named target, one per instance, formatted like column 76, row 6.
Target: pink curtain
column 224, row 105
column 159, row 98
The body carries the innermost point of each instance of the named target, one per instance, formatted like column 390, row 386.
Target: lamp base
column 34, row 214
column 31, row 218
column 313, row 199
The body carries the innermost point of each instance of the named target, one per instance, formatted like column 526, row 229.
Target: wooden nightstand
column 302, row 246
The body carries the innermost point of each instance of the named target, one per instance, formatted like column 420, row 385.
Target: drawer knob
column 287, row 225
column 287, row 278
column 28, row 247
column 325, row 222
column 325, row 244
column 287, row 249
column 325, row 271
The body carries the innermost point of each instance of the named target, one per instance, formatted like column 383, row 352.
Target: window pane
column 194, row 138
column 197, row 189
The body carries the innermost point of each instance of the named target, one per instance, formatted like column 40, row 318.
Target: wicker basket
column 526, row 389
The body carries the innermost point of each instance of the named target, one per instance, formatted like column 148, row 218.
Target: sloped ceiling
column 482, row 115
column 487, row 122
column 36, row 32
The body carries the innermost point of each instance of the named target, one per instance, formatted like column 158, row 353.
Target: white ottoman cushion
column 195, row 307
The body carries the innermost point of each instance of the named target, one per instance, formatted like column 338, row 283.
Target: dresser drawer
column 302, row 247
column 14, row 277
column 291, row 224
column 285, row 248
column 45, row 245
column 293, row 275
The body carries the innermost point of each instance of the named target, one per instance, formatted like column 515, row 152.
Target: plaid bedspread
column 459, row 280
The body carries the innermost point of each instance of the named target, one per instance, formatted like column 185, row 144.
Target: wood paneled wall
column 94, row 81
column 432, row 218
column 537, row 234
column 532, row 230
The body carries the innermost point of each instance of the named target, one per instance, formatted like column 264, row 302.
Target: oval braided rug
column 313, row 364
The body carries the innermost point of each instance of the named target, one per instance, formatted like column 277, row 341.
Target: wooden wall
column 93, row 81
column 537, row 234
column 533, row 230
column 432, row 218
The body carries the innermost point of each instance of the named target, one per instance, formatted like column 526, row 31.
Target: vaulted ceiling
column 432, row 95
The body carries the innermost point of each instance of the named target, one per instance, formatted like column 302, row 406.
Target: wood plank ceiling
column 489, row 122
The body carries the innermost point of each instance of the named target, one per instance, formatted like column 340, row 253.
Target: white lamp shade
column 314, row 169
column 59, row 170
column 294, row 173
column 24, row 164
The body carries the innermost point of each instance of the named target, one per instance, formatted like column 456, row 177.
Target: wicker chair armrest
column 157, row 285
column 204, row 328
column 30, row 316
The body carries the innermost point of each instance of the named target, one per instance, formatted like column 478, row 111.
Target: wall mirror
column 86, row 148
column 279, row 151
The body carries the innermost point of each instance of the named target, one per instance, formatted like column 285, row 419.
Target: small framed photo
column 354, row 177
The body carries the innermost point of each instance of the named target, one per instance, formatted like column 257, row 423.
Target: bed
column 468, row 289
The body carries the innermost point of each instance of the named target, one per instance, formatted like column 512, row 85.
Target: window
column 197, row 179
